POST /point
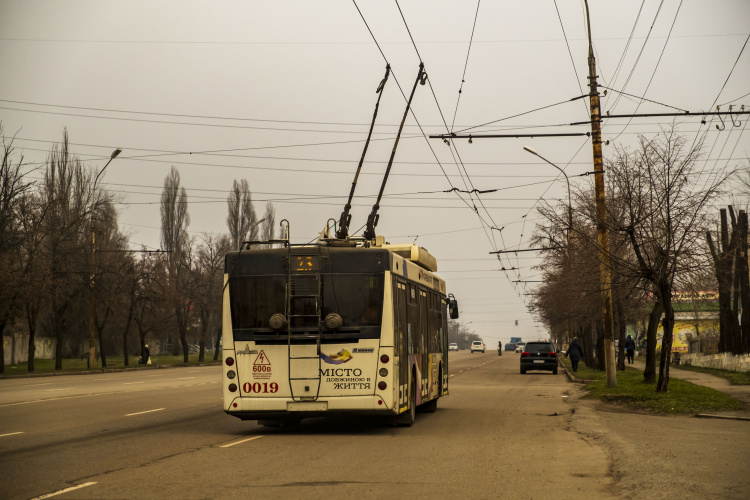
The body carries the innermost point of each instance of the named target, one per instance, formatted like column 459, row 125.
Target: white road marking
column 10, row 434
column 239, row 442
column 142, row 412
column 453, row 374
column 78, row 396
column 61, row 389
column 185, row 378
column 36, row 385
column 131, row 383
column 63, row 491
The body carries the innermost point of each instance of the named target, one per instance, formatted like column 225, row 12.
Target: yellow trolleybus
column 313, row 330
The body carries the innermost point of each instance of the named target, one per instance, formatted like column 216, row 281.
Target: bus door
column 400, row 343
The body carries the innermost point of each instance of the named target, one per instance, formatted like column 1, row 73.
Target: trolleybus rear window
column 255, row 299
column 357, row 298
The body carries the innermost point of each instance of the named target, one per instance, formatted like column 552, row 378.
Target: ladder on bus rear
column 304, row 285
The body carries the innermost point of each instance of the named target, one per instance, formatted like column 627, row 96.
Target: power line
column 466, row 65
column 578, row 80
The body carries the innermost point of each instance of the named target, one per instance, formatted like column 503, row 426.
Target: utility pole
column 602, row 235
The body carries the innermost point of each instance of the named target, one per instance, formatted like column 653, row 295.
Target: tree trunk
column 649, row 374
column 621, row 329
column 205, row 319
column 744, row 283
column 218, row 344
column 31, row 322
column 125, row 335
column 2, row 348
column 666, row 344
column 723, row 259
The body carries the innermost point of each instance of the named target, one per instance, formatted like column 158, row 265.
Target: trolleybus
column 326, row 328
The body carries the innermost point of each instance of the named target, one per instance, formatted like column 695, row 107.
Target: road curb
column 572, row 378
column 723, row 417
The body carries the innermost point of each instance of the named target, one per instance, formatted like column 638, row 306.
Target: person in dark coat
column 145, row 356
column 575, row 353
column 630, row 349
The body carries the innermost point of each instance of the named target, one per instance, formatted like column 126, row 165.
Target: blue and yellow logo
column 337, row 359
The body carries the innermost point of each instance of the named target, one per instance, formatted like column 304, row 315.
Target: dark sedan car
column 539, row 355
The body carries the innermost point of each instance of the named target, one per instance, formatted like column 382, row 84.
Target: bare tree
column 208, row 269
column 65, row 192
column 175, row 241
column 241, row 219
column 730, row 263
column 666, row 197
column 13, row 188
column 268, row 227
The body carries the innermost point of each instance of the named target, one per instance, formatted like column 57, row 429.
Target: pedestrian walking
column 145, row 357
column 575, row 353
column 630, row 349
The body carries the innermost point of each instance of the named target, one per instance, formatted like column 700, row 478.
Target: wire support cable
column 466, row 65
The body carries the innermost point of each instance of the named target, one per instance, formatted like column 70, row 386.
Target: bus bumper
column 263, row 408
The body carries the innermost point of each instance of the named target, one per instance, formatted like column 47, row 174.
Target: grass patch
column 72, row 365
column 681, row 398
column 735, row 378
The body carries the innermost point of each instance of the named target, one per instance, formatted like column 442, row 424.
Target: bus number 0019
column 258, row 387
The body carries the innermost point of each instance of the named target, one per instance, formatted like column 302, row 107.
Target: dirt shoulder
column 664, row 456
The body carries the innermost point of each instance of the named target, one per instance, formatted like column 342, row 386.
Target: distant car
column 519, row 346
column 453, row 347
column 539, row 355
column 477, row 345
column 510, row 347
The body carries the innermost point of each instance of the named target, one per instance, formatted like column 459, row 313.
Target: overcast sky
column 282, row 93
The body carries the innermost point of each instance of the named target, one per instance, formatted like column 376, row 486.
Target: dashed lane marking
column 142, row 412
column 60, row 492
column 10, row 434
column 239, row 442
column 131, row 383
column 185, row 378
column 61, row 389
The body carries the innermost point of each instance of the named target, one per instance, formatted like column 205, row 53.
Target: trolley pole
column 602, row 235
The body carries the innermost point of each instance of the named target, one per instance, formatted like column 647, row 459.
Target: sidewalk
column 739, row 392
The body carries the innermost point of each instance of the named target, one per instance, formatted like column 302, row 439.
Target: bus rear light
column 232, row 387
column 234, row 405
column 382, row 385
column 383, row 372
column 230, row 361
column 231, row 374
column 380, row 401
column 384, row 359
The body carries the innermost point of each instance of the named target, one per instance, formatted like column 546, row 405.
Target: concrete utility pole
column 92, row 282
column 602, row 235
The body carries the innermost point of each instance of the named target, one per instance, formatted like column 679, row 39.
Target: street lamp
column 92, row 310
column 570, row 206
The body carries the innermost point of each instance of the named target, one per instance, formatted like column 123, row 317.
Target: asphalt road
column 162, row 432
